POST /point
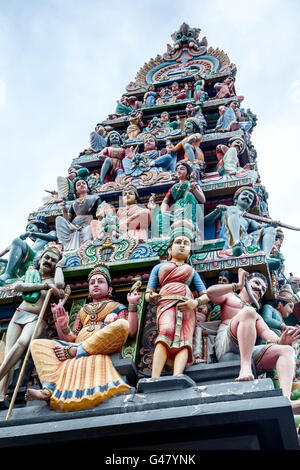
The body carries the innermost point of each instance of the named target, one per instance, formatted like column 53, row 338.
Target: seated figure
column 75, row 370
column 134, row 218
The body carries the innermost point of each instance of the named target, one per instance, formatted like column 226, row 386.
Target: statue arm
column 31, row 287
column 152, row 284
column 198, row 193
column 48, row 237
column 61, row 319
column 212, row 217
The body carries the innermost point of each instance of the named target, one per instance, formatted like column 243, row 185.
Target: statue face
column 286, row 309
column 182, row 172
column 164, row 117
column 245, row 199
column 188, row 127
column 98, row 287
column 81, row 187
column 149, row 144
column 181, row 248
column 129, row 197
column 258, row 287
column 223, row 280
column 48, row 262
column 114, row 138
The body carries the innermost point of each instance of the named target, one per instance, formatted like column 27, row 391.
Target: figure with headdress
column 107, row 223
column 21, row 255
column 227, row 121
column 135, row 124
column 34, row 288
column 274, row 312
column 228, row 160
column 239, row 231
column 191, row 143
column 134, row 218
column 182, row 200
column 194, row 111
column 150, row 96
column 73, row 228
column 225, row 89
column 172, row 285
column 75, row 370
column 114, row 153
column 199, row 94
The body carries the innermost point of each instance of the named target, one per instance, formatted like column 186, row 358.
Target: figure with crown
column 75, row 370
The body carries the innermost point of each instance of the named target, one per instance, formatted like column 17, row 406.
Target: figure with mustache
column 22, row 324
column 241, row 325
column 240, row 232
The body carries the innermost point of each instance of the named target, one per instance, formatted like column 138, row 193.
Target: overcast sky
column 65, row 63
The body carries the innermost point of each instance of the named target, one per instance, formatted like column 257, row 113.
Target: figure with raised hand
column 75, row 370
column 114, row 153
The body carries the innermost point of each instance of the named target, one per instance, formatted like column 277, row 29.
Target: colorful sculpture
column 276, row 311
column 191, row 144
column 182, row 200
column 225, row 89
column 97, row 140
column 73, row 228
column 175, row 314
column 199, row 94
column 227, row 121
column 240, row 231
column 107, row 223
column 134, row 219
column 150, row 96
column 76, row 371
column 114, row 153
column 136, row 125
column 21, row 255
column 23, row 322
column 241, row 324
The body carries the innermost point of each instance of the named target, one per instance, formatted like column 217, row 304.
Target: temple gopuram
column 146, row 305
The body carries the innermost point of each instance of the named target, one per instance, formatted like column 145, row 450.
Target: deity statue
column 97, row 140
column 106, row 224
column 182, row 200
column 229, row 162
column 199, row 94
column 225, row 89
column 191, row 144
column 227, row 121
column 194, row 111
column 241, row 325
column 176, row 305
column 150, row 96
column 136, row 163
column 262, row 195
column 240, row 231
column 134, row 218
column 114, row 153
column 21, row 255
column 75, row 370
column 169, row 127
column 23, row 322
column 274, row 312
column 73, row 228
column 179, row 93
column 136, row 125
column 165, row 96
column 245, row 123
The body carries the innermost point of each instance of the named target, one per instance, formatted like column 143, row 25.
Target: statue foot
column 65, row 352
column 34, row 394
column 237, row 249
column 245, row 375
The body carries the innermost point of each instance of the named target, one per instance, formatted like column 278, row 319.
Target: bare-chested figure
column 240, row 326
column 22, row 324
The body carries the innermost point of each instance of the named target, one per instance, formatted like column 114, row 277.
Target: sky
column 64, row 64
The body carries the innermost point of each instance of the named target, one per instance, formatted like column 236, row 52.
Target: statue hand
column 133, row 297
column 60, row 315
column 187, row 305
column 221, row 207
column 274, row 223
column 242, row 276
column 290, row 335
column 110, row 318
column 24, row 235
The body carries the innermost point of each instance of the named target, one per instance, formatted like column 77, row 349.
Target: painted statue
column 169, row 127
column 194, row 111
column 191, row 144
column 22, row 325
column 114, row 153
column 240, row 231
column 150, row 96
column 136, row 163
column 134, row 218
column 97, row 139
column 21, row 254
column 227, row 121
column 199, row 93
column 75, row 370
column 229, row 161
column 182, row 200
column 274, row 312
column 176, row 305
column 241, row 325
column 73, row 228
column 135, row 125
column 107, row 223
column 225, row 89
